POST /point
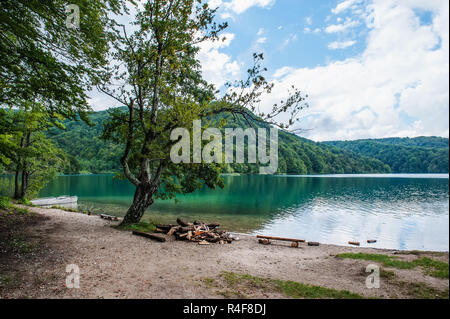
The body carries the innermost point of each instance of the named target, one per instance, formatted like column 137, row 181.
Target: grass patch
column 210, row 282
column 230, row 294
column 288, row 288
column 8, row 281
column 432, row 267
column 20, row 245
column 142, row 226
column 21, row 211
column 420, row 253
column 24, row 201
column 420, row 290
column 387, row 274
column 5, row 203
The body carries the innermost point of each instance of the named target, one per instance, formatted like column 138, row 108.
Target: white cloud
column 288, row 40
column 340, row 45
column 240, row 6
column 344, row 5
column 348, row 24
column 218, row 67
column 282, row 72
column 308, row 30
column 261, row 40
column 308, row 20
column 214, row 3
column 397, row 87
column 260, row 31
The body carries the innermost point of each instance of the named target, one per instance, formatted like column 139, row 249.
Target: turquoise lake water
column 400, row 211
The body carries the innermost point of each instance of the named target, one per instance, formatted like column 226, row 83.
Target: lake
column 400, row 211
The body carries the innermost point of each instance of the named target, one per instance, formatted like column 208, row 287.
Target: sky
column 371, row 68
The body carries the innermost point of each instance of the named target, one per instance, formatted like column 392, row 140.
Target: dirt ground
column 116, row 264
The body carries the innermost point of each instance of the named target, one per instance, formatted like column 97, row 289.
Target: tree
column 158, row 78
column 47, row 62
column 6, row 137
column 34, row 158
column 42, row 58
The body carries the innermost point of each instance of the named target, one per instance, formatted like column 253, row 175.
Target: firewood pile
column 202, row 233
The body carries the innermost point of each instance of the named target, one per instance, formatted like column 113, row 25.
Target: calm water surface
column 401, row 211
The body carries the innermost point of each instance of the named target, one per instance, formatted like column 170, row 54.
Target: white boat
column 55, row 201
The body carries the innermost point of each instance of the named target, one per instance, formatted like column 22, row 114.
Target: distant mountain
column 403, row 155
column 88, row 153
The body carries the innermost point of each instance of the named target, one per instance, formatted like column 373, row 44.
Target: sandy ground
column 117, row 264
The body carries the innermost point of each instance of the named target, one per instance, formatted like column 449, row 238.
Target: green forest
column 403, row 155
column 88, row 153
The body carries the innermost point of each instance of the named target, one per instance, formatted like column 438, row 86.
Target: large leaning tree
column 157, row 78
column 48, row 60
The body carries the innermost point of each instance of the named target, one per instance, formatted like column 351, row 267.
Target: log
column 196, row 232
column 165, row 228
column 313, row 243
column 371, row 241
column 354, row 243
column 186, row 229
column 183, row 223
column 148, row 235
column 264, row 241
column 109, row 217
column 173, row 230
column 281, row 238
column 294, row 244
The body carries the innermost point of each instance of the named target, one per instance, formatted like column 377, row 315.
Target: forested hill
column 404, row 155
column 88, row 153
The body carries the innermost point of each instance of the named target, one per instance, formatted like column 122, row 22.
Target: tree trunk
column 17, row 191
column 141, row 201
column 16, row 183
column 25, row 172
column 25, row 180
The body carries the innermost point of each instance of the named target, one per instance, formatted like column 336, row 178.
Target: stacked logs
column 199, row 232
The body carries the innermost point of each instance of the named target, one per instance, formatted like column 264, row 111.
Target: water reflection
column 404, row 212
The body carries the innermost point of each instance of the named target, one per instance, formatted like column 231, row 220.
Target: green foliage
column 21, row 245
column 45, row 69
column 420, row 290
column 5, row 203
column 21, row 211
column 296, row 155
column 32, row 155
column 288, row 288
column 24, row 201
column 7, row 187
column 86, row 151
column 403, row 155
column 432, row 267
column 141, row 226
column 6, row 137
column 43, row 60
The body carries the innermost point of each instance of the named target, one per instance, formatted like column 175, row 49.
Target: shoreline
column 115, row 264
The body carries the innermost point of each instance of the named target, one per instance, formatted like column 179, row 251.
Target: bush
column 5, row 202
